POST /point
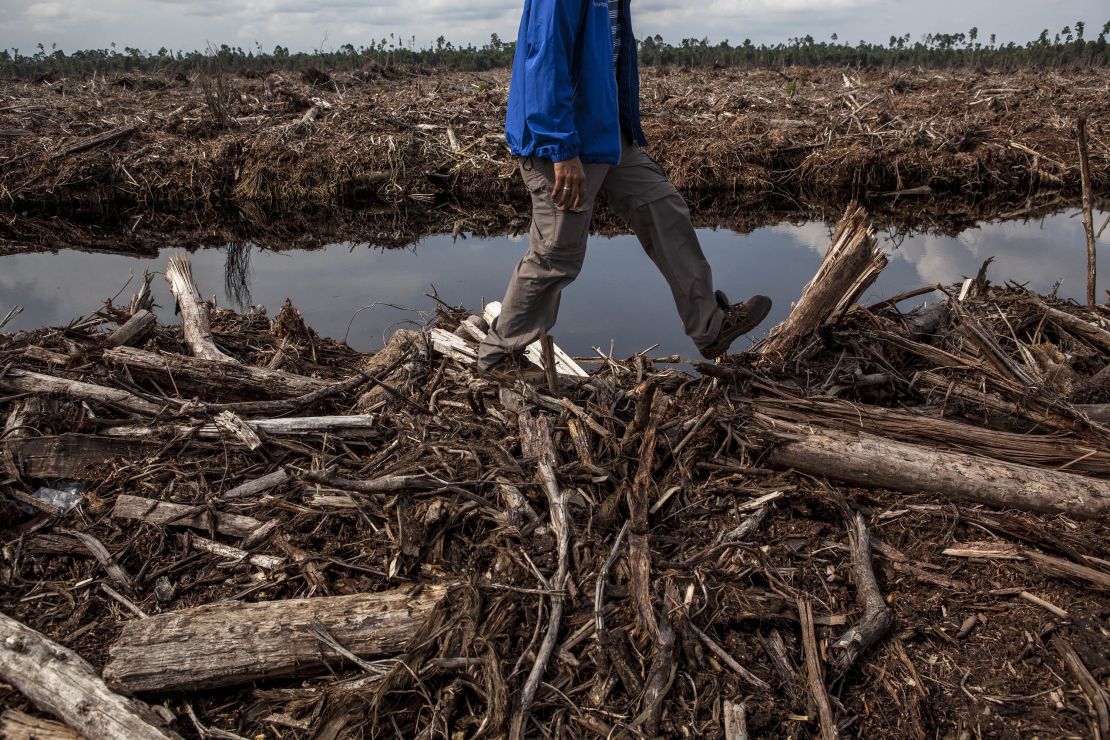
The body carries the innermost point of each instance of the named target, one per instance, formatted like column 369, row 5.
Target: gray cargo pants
column 639, row 192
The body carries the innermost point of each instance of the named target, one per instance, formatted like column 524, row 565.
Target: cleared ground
column 392, row 153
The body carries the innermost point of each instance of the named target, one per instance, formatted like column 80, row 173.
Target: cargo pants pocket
column 557, row 235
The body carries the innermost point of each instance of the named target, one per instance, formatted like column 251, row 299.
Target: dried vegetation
column 641, row 551
column 387, row 154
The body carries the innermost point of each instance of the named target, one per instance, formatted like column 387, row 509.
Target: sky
column 305, row 25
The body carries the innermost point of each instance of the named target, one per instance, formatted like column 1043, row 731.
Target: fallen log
column 196, row 373
column 306, row 564
column 95, row 141
column 56, row 544
column 233, row 426
column 1051, row 564
column 71, row 456
column 459, row 349
column 934, row 355
column 662, row 671
column 15, row 725
column 15, row 428
column 24, row 381
column 354, row 426
column 290, row 405
column 867, row 460
column 163, row 513
column 97, row 549
column 518, row 511
column 937, row 387
column 851, row 264
column 132, row 329
column 1054, row 451
column 1096, row 695
column 234, row 554
column 386, row 484
column 1096, row 335
column 1067, row 569
column 194, row 312
column 235, row 643
column 61, row 682
column 258, row 485
column 540, row 428
column 877, row 617
column 47, row 357
column 775, row 647
column 638, row 497
column 455, row 347
column 815, row 675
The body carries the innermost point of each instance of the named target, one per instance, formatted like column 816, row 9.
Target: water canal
column 360, row 292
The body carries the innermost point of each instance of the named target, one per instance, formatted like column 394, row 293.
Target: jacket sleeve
column 552, row 32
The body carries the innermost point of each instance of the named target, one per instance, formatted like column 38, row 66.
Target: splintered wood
column 194, row 312
column 851, row 264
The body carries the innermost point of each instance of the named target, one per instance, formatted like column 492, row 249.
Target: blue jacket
column 565, row 99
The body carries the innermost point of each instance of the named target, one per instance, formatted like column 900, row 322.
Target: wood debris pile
column 281, row 158
column 874, row 524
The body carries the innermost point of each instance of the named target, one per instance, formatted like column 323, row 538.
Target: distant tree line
column 1069, row 48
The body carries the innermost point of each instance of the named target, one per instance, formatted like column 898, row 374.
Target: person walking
column 573, row 127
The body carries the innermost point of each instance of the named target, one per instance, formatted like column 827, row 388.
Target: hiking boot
column 513, row 367
column 740, row 318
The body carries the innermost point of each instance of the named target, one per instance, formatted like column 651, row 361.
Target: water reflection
column 237, row 273
column 619, row 297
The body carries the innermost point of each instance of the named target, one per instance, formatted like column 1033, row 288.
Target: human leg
column 639, row 192
column 556, row 249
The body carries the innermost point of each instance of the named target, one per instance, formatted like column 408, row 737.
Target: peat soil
column 384, row 155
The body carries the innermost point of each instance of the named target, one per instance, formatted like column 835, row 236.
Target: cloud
column 355, row 21
column 744, row 9
column 301, row 25
column 1039, row 253
column 44, row 16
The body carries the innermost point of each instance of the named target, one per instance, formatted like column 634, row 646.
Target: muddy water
column 361, row 293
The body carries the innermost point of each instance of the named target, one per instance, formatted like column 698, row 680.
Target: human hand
column 570, row 184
